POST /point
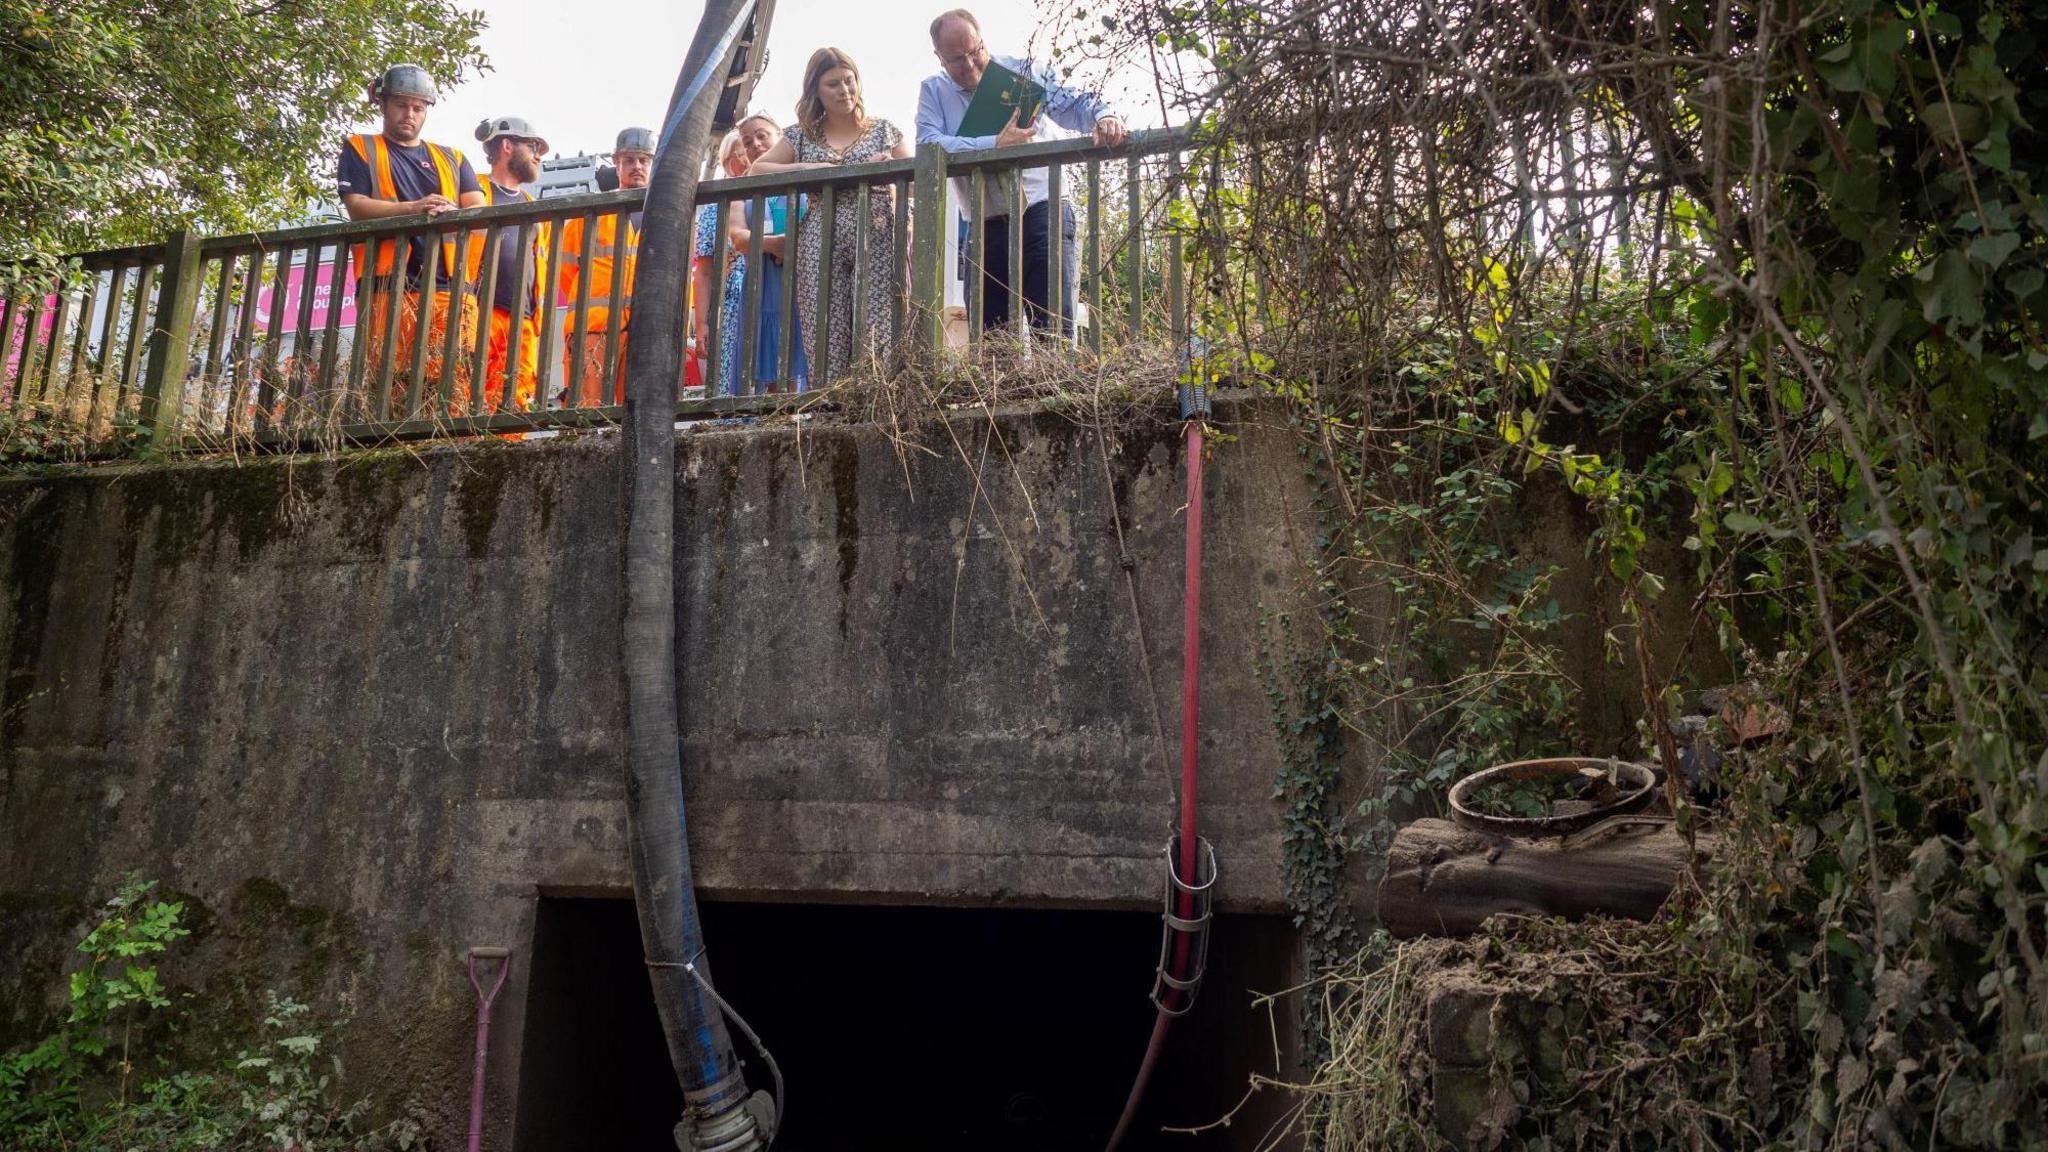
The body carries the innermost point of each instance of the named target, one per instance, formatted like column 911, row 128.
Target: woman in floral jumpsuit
column 833, row 128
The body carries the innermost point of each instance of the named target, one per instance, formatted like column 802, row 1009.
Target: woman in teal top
column 749, row 141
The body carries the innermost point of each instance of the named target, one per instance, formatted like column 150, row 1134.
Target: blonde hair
column 727, row 149
column 810, row 108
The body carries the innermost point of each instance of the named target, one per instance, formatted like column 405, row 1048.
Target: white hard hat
column 498, row 126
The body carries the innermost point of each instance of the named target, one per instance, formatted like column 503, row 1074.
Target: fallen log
column 1445, row 880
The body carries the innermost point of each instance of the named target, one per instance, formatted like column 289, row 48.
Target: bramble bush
column 1769, row 280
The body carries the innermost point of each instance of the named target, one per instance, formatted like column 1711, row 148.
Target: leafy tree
column 121, row 119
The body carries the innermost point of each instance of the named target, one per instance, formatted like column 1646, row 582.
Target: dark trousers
column 995, row 280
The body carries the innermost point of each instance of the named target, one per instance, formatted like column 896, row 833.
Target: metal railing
column 270, row 339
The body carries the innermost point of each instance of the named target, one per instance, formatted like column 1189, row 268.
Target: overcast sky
column 582, row 71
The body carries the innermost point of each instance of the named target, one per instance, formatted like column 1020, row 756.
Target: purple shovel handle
column 483, row 1034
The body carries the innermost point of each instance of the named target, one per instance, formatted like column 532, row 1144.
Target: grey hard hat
column 405, row 80
column 635, row 140
column 498, row 126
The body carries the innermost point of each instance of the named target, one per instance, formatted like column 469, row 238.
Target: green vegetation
column 94, row 1082
column 121, row 122
column 1767, row 279
column 30, row 436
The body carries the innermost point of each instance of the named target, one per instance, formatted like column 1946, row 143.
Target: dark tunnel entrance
column 906, row 1028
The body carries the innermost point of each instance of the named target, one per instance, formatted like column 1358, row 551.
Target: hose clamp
column 1187, row 917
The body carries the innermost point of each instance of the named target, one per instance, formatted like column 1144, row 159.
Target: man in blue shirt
column 395, row 173
column 943, row 101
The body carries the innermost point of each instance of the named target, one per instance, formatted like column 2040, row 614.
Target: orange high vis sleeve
column 604, row 249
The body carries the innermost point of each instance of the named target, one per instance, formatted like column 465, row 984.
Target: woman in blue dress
column 754, row 136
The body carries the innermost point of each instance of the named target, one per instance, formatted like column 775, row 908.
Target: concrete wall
column 364, row 710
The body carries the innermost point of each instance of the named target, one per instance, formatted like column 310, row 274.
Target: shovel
column 483, row 1033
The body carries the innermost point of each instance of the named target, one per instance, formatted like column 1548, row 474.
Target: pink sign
column 16, row 340
column 294, row 287
column 294, row 284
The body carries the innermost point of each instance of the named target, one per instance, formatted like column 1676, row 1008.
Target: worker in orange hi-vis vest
column 633, row 156
column 514, row 150
column 395, row 173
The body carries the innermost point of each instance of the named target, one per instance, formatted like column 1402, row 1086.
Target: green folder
column 1000, row 93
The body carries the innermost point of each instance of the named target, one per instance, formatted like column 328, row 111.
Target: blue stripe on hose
column 710, row 1068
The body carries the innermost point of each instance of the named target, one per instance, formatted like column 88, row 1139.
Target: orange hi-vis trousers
column 376, row 299
column 590, row 392
column 529, row 361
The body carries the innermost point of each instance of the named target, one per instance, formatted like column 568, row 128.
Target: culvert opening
column 907, row 1028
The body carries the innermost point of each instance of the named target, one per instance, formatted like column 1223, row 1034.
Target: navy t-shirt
column 508, row 293
column 413, row 175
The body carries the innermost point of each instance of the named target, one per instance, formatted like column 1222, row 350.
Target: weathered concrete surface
column 364, row 710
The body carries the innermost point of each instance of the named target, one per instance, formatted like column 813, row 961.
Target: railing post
column 170, row 340
column 928, row 251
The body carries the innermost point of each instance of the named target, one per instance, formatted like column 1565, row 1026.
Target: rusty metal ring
column 1636, row 783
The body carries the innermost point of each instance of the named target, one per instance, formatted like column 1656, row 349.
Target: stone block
column 1472, row 1023
column 1473, row 1110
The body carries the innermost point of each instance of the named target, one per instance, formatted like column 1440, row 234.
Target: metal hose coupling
column 1195, row 378
column 719, row 1119
column 1184, row 945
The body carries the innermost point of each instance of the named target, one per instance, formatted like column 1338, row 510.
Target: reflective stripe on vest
column 600, row 286
column 603, row 249
column 540, row 242
column 375, row 152
column 490, row 187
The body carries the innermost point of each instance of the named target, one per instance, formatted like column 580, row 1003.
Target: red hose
column 1190, row 672
column 1190, row 730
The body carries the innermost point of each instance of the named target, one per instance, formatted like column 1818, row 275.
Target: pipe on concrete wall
column 1177, row 1000
column 714, row 1090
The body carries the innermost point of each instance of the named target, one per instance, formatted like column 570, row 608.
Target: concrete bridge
column 366, row 711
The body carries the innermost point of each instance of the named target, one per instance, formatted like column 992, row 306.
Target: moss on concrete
column 846, row 517
column 251, row 501
column 370, row 490
column 27, row 983
column 267, row 926
column 480, row 489
column 31, row 575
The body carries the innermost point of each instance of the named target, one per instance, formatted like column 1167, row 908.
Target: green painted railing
column 268, row 338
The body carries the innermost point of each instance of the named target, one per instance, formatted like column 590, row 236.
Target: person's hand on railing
column 771, row 247
column 1110, row 132
column 767, row 167
column 1014, row 133
column 361, row 207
